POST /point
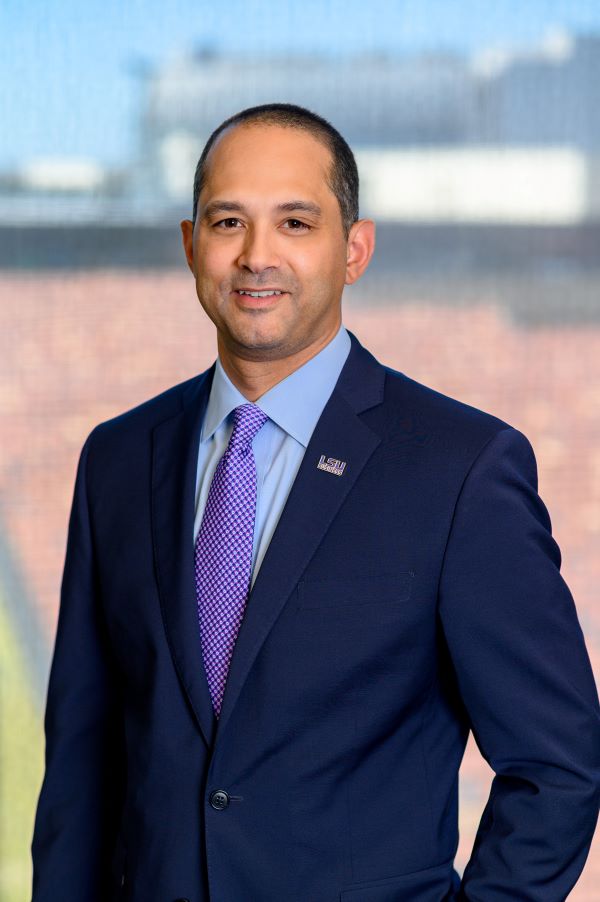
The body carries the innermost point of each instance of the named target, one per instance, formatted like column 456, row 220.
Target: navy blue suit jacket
column 410, row 599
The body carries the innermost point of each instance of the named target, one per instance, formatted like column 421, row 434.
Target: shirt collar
column 295, row 403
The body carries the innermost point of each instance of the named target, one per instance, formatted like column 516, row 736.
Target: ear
column 361, row 244
column 187, row 231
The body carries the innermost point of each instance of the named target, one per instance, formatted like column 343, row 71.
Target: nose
column 258, row 252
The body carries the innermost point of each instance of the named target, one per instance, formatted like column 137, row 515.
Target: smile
column 260, row 294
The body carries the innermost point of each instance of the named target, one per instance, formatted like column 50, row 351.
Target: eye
column 229, row 219
column 302, row 225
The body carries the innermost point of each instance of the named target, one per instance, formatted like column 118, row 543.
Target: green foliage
column 21, row 765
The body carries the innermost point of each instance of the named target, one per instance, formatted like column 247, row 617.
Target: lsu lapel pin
column 331, row 465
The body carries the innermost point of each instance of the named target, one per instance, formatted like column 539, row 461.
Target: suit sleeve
column 80, row 797
column 525, row 679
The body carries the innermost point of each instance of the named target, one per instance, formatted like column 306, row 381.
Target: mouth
column 264, row 297
column 262, row 292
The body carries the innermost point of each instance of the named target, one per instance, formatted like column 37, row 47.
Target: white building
column 524, row 186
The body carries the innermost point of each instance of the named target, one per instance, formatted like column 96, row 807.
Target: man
column 293, row 584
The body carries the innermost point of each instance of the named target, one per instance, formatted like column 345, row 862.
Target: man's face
column 244, row 239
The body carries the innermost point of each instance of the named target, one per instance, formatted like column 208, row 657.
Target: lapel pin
column 331, row 465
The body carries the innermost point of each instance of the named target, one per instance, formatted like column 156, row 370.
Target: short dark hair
column 343, row 174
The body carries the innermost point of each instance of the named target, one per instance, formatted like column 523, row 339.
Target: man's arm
column 80, row 798
column 526, row 681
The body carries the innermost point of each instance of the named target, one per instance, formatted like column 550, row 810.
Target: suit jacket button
column 181, row 900
column 219, row 799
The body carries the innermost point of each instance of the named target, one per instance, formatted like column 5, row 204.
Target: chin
column 260, row 332
column 257, row 339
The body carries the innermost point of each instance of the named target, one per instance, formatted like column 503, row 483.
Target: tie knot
column 247, row 421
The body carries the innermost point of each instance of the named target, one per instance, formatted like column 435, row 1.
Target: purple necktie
column 223, row 551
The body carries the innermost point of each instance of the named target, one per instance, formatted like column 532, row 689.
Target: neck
column 253, row 378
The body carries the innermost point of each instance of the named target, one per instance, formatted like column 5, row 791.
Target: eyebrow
column 231, row 206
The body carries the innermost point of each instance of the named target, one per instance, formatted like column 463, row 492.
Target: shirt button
column 219, row 799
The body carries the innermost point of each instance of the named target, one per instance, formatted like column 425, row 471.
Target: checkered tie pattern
column 223, row 550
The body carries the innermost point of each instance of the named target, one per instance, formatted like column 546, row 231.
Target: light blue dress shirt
column 293, row 406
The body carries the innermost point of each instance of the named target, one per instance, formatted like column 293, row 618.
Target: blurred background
column 476, row 128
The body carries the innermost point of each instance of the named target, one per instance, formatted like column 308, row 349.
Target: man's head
column 275, row 206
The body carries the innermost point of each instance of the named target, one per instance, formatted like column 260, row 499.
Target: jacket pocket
column 428, row 885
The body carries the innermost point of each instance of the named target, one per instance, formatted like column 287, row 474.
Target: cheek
column 214, row 257
column 324, row 279
column 314, row 262
column 211, row 284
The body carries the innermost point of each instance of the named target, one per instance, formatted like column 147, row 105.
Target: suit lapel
column 175, row 445
column 311, row 506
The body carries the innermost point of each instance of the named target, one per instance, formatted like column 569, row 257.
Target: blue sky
column 66, row 67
